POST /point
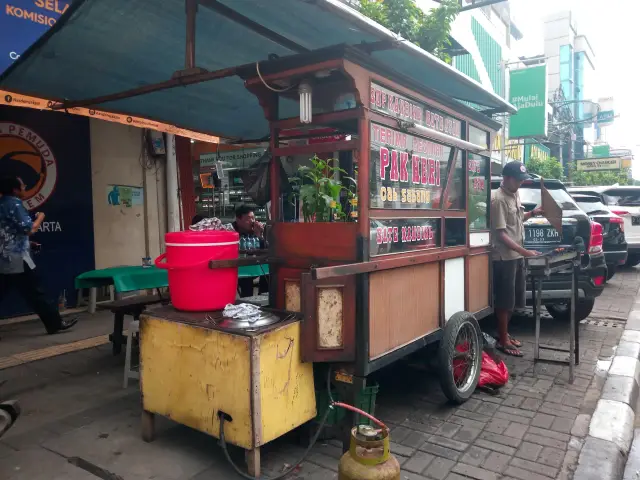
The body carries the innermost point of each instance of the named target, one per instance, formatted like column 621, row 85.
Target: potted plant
column 320, row 193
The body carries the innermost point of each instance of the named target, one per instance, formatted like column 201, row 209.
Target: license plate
column 635, row 220
column 541, row 235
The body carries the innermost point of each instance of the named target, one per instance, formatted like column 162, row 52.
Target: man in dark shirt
column 17, row 269
column 247, row 226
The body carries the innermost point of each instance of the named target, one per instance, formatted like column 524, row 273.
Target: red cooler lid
column 205, row 237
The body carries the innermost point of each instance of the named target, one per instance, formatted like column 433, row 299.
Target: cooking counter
column 191, row 368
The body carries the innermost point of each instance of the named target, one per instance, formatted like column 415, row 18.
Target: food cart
column 396, row 262
column 405, row 264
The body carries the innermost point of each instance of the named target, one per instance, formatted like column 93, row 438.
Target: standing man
column 507, row 227
column 247, row 226
column 17, row 270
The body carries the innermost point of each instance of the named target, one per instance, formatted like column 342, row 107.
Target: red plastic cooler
column 194, row 286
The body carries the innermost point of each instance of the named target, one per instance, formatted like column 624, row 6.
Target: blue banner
column 51, row 153
column 22, row 22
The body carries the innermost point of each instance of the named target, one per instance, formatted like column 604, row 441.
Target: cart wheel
column 460, row 356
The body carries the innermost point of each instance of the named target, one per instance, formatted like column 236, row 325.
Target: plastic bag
column 256, row 180
column 493, row 374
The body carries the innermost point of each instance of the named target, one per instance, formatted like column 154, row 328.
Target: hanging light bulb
column 305, row 92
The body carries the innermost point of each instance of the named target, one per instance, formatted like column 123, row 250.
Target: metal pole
column 173, row 204
column 190, row 49
column 537, row 287
column 572, row 325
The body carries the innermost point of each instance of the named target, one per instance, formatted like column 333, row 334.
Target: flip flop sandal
column 515, row 342
column 511, row 350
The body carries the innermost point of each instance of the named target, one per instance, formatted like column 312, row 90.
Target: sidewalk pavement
column 82, row 421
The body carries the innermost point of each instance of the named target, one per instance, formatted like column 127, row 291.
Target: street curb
column 611, row 430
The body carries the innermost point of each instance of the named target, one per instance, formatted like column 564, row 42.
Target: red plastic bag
column 492, row 374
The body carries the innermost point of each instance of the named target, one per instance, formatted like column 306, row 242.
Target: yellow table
column 191, row 370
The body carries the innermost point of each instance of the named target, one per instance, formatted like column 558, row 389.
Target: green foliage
column 545, row 167
column 430, row 31
column 605, row 178
column 321, row 197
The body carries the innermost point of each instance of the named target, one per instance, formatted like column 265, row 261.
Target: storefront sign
column 391, row 103
column 601, row 151
column 240, row 158
column 529, row 95
column 22, row 22
column 395, row 235
column 16, row 100
column 51, row 153
column 599, row 164
column 406, row 170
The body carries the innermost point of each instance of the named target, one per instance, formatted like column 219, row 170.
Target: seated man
column 247, row 226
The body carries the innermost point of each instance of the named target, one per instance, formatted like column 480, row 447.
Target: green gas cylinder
column 368, row 457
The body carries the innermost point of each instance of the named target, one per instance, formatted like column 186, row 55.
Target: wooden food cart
column 404, row 266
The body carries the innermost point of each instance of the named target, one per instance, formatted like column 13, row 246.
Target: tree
column 545, row 167
column 430, row 31
column 605, row 178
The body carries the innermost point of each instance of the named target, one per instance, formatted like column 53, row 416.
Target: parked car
column 541, row 236
column 614, row 242
column 625, row 202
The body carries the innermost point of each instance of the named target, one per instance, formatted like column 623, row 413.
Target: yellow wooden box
column 191, row 372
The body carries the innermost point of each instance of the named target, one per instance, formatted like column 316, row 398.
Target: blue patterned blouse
column 15, row 226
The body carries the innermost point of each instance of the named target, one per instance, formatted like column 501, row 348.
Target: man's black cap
column 516, row 170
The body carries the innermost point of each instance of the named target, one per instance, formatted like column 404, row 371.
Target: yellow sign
column 17, row 100
column 511, row 149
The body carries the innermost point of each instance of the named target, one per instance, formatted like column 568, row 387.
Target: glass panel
column 456, row 196
column 479, row 191
column 407, row 172
column 455, row 232
column 479, row 137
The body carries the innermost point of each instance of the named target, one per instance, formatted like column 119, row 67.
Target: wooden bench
column 133, row 306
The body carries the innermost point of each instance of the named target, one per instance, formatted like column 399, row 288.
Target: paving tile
column 497, row 425
column 545, row 441
column 496, row 462
column 475, row 456
column 414, row 439
column 448, row 429
column 467, row 434
column 551, row 456
column 474, row 472
column 496, row 447
column 418, row 462
column 522, row 474
column 516, row 430
column 501, row 439
column 448, row 443
column 546, row 470
column 542, row 420
column 439, row 468
column 529, row 451
column 440, row 451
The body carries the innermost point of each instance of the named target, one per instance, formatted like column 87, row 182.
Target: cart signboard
column 396, row 235
column 406, row 171
column 388, row 102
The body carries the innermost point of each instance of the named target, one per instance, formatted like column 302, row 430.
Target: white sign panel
column 599, row 164
column 242, row 158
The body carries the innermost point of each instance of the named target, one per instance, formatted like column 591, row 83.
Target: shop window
column 479, row 192
column 455, row 232
column 456, row 195
column 478, row 137
column 407, row 171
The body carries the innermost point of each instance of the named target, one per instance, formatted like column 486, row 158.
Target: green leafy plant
column 546, row 167
column 320, row 192
column 430, row 31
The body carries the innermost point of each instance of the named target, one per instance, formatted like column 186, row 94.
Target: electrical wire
column 331, row 406
column 273, row 89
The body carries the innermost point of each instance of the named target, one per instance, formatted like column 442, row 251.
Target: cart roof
column 101, row 47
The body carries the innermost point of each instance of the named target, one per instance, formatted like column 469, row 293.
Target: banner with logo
column 22, row 22
column 17, row 100
column 51, row 153
column 528, row 93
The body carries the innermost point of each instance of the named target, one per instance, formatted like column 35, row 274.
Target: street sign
column 598, row 164
column 606, row 118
